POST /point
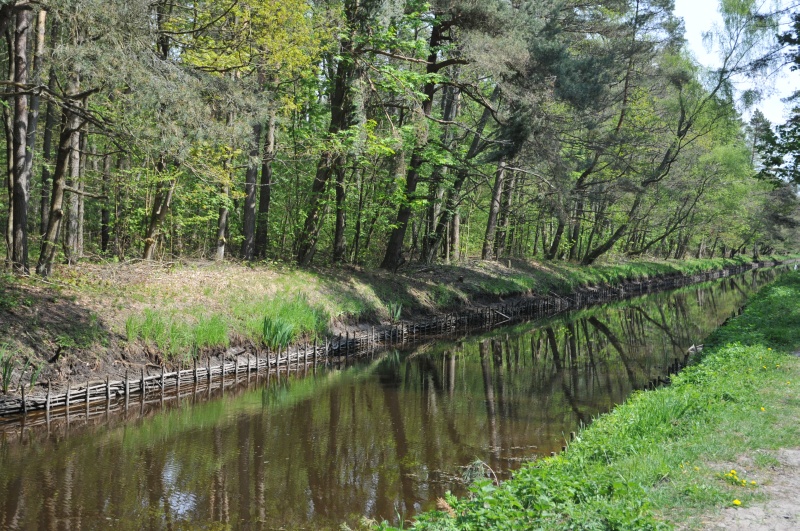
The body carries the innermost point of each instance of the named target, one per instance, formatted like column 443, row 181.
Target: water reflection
column 381, row 439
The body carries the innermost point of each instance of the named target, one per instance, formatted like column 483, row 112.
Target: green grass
column 174, row 336
column 664, row 457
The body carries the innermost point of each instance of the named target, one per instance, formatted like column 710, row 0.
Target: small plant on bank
column 733, row 478
column 36, row 371
column 278, row 333
column 7, row 363
column 395, row 309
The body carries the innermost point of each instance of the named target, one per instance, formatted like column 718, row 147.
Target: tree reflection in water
column 384, row 438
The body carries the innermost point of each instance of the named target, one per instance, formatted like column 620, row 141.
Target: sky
column 699, row 16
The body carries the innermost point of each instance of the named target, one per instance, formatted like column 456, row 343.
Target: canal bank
column 103, row 321
column 706, row 451
column 277, row 349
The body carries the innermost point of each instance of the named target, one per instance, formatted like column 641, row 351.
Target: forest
column 380, row 132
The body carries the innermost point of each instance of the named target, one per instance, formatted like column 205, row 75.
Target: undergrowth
column 655, row 460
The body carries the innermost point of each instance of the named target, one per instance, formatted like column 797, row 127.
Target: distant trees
column 381, row 132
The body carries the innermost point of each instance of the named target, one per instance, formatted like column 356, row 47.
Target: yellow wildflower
column 737, row 503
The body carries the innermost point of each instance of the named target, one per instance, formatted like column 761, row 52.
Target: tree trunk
column 502, row 238
column 71, row 246
column 359, row 218
column 19, row 255
column 249, row 219
column 105, row 213
column 331, row 161
column 81, row 195
column 70, row 123
column 161, row 204
column 600, row 250
column 553, row 251
column 222, row 225
column 49, row 123
column 120, row 241
column 262, row 225
column 339, row 247
column 453, row 196
column 394, row 249
column 494, row 210
column 436, row 190
column 33, row 114
column 455, row 237
column 576, row 230
column 8, row 129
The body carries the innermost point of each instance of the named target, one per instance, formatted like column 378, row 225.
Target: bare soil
column 780, row 485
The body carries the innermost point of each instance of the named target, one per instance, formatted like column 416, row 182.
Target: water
column 381, row 439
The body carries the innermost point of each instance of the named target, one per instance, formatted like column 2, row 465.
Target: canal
column 382, row 438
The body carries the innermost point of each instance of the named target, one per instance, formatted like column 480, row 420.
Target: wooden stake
column 24, row 404
column 87, row 400
column 195, row 370
column 127, row 390
column 315, row 351
column 47, row 403
column 69, row 396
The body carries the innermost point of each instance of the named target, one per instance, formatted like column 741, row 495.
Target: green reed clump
column 278, row 333
column 7, row 363
column 395, row 309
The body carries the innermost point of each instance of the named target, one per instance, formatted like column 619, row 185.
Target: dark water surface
column 383, row 438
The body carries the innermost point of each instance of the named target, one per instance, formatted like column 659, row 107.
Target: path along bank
column 705, row 451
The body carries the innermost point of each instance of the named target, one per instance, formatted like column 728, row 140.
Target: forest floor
column 716, row 449
column 101, row 319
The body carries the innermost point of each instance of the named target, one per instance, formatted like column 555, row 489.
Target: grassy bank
column 686, row 455
column 101, row 318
